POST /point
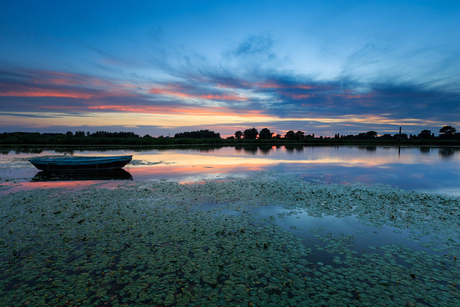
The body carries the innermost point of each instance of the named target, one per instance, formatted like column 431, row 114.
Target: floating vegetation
column 153, row 243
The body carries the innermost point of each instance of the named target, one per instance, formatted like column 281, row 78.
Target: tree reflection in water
column 448, row 152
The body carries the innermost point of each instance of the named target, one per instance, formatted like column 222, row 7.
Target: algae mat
column 150, row 244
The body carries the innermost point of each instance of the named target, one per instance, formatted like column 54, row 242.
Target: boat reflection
column 113, row 174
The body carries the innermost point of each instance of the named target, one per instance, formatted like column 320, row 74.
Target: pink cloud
column 28, row 91
column 216, row 111
column 66, row 85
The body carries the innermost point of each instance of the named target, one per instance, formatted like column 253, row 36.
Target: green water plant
column 155, row 243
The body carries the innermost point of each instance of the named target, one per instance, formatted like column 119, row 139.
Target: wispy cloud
column 180, row 92
column 60, row 84
column 255, row 46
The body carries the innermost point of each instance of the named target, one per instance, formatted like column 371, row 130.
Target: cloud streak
column 274, row 100
column 180, row 92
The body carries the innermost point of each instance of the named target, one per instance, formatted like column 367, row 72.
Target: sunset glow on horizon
column 162, row 68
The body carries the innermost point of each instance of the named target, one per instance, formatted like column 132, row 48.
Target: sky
column 163, row 67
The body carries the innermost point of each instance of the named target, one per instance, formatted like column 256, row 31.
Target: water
column 429, row 169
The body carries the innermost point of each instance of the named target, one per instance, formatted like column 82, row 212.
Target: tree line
column 446, row 132
column 265, row 133
column 250, row 135
column 201, row 134
column 102, row 134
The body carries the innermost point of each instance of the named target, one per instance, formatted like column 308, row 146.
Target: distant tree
column 299, row 135
column 147, row 136
column 386, row 136
column 289, row 135
column 201, row 134
column 79, row 134
column 425, row 134
column 238, row 135
column 105, row 134
column 447, row 131
column 69, row 134
column 98, row 134
column 265, row 134
column 250, row 133
column 371, row 134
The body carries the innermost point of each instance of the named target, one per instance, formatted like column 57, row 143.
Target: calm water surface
column 430, row 169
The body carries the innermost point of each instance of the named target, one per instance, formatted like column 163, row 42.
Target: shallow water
column 431, row 169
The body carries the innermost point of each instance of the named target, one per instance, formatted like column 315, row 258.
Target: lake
column 430, row 169
column 250, row 226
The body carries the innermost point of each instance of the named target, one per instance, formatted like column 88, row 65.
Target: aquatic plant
column 161, row 243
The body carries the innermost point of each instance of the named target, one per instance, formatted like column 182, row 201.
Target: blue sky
column 162, row 67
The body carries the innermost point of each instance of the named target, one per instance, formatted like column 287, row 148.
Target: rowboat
column 80, row 163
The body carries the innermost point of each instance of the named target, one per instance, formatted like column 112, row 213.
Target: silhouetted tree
column 299, row 135
column 371, row 134
column 238, row 135
column 80, row 134
column 447, row 131
column 250, row 133
column 265, row 134
column 69, row 134
column 289, row 135
column 425, row 134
